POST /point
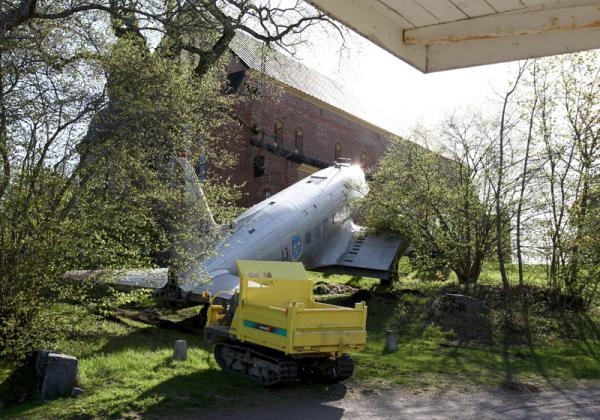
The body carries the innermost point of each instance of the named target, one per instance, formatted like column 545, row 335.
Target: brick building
column 307, row 123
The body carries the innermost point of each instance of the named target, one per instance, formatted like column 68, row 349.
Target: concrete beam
column 474, row 53
column 506, row 25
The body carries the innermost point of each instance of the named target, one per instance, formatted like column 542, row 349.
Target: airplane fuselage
column 292, row 225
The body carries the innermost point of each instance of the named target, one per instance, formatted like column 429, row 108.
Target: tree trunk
column 499, row 186
column 522, row 192
column 3, row 133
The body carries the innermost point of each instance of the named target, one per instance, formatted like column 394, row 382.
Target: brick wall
column 322, row 128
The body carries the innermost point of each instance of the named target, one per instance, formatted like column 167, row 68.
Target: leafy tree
column 441, row 202
column 96, row 99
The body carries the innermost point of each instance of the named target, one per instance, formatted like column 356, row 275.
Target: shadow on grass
column 221, row 394
column 152, row 338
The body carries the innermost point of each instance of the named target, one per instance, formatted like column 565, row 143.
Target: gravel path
column 341, row 403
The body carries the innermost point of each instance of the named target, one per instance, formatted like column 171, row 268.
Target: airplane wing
column 354, row 251
column 220, row 282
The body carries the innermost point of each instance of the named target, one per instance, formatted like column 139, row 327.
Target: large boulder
column 465, row 316
column 57, row 374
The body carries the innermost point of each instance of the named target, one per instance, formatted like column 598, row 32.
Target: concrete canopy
column 434, row 35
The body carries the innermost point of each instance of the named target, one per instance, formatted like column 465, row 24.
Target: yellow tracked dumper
column 273, row 331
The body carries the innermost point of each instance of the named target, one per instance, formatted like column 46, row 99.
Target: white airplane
column 310, row 221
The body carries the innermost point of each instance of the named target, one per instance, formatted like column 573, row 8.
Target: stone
column 76, row 392
column 41, row 356
column 58, row 375
column 324, row 288
column 180, row 350
column 391, row 343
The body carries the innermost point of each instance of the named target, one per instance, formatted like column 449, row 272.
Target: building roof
column 285, row 69
column 434, row 35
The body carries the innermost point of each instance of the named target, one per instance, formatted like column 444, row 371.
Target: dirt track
column 341, row 403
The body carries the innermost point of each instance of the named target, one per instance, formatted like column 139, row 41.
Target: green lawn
column 564, row 349
column 126, row 367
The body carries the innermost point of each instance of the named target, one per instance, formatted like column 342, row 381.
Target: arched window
column 299, row 141
column 338, row 152
column 267, row 193
column 278, row 133
column 363, row 160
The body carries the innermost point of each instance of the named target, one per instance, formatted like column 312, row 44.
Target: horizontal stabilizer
column 221, row 282
column 363, row 254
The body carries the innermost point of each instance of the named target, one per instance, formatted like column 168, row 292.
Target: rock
column 58, row 375
column 41, row 356
column 76, row 392
column 391, row 344
column 464, row 315
column 324, row 288
column 180, row 350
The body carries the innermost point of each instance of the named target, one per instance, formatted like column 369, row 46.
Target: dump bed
column 277, row 310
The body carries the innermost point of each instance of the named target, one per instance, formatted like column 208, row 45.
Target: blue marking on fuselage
column 296, row 247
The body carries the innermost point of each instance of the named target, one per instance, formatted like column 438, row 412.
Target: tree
column 499, row 185
column 441, row 202
column 568, row 128
column 525, row 176
column 96, row 99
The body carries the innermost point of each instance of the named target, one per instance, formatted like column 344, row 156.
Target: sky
column 401, row 94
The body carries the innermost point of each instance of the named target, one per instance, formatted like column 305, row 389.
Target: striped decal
column 265, row 328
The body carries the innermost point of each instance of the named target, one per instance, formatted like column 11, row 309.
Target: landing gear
column 270, row 367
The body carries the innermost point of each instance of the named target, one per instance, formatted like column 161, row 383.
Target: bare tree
column 499, row 187
column 525, row 176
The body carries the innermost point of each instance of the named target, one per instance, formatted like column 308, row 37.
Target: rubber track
column 288, row 367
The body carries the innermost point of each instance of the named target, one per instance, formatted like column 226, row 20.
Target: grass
column 126, row 367
column 564, row 349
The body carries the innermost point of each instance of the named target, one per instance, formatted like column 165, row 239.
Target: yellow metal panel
column 277, row 310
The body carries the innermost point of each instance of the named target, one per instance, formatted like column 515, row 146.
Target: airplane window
column 324, row 225
column 308, row 238
column 317, row 232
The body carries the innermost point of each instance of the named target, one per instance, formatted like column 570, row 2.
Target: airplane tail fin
column 196, row 196
column 193, row 237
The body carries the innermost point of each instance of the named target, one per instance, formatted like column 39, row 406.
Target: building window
column 278, row 133
column 299, row 141
column 363, row 160
column 259, row 166
column 338, row 152
column 267, row 193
